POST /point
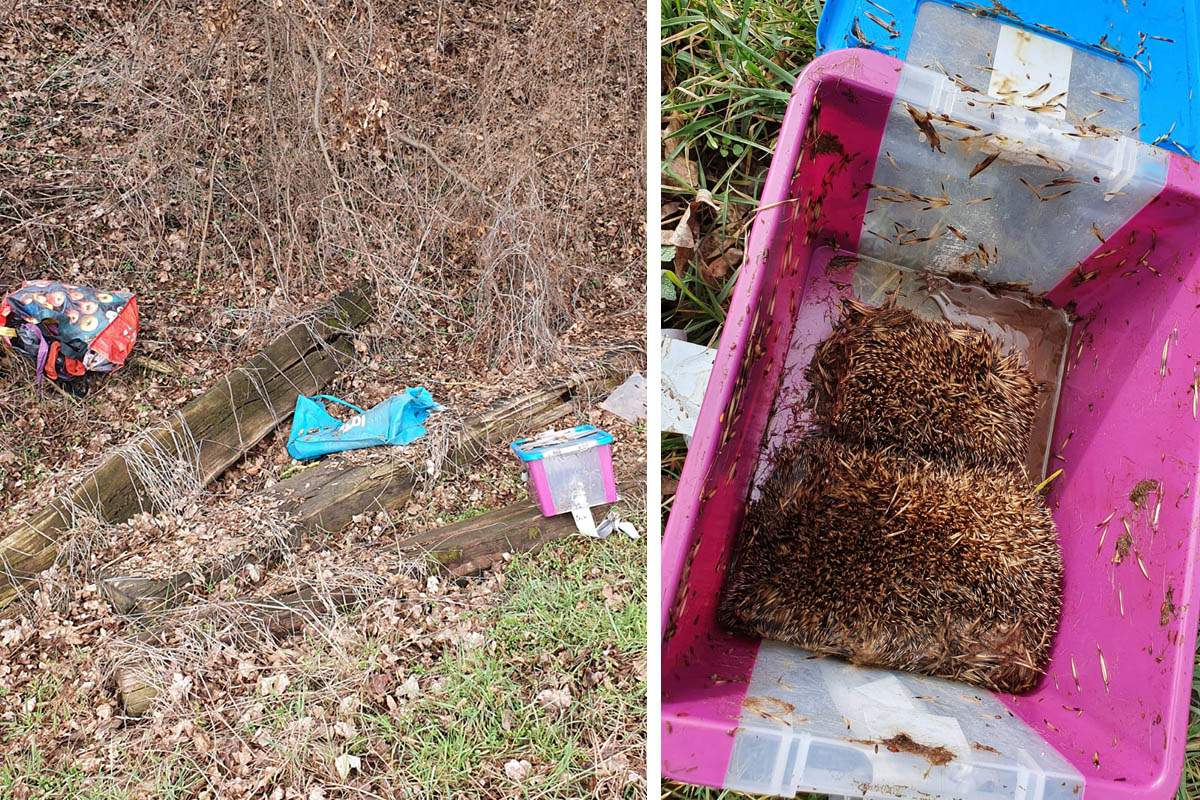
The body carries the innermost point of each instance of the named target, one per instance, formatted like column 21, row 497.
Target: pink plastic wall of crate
column 1127, row 415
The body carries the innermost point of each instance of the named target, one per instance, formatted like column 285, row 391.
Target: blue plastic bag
column 397, row 420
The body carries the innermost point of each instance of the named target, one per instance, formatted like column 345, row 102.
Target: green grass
column 546, row 626
column 28, row 771
column 551, row 627
column 469, row 513
column 41, row 712
column 1189, row 786
column 727, row 70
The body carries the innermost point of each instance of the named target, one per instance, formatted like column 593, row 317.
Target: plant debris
column 1141, row 491
column 937, row 756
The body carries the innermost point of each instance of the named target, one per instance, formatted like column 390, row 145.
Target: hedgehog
column 901, row 562
column 888, row 379
column 903, row 531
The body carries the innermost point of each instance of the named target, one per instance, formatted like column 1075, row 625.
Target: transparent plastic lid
column 561, row 442
column 1010, row 64
column 966, row 183
column 819, row 724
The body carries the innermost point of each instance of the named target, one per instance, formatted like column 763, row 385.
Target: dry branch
column 208, row 435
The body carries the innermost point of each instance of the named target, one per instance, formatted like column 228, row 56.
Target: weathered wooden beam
column 472, row 545
column 135, row 692
column 209, row 434
column 462, row 548
column 328, row 495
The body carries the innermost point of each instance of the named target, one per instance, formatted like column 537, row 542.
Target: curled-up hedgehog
column 905, row 532
column 900, row 562
column 888, row 379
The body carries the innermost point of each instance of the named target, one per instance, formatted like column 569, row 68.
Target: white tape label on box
column 1029, row 70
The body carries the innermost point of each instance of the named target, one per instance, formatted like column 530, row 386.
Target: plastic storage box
column 858, row 188
column 1146, row 53
column 569, row 470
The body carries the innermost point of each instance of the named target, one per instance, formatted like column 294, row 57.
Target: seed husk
column 982, row 165
column 1103, row 668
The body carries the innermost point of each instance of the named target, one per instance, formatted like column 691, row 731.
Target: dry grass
column 295, row 143
column 234, row 162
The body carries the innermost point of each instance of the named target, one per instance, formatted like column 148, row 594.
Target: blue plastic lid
column 1153, row 46
column 577, row 438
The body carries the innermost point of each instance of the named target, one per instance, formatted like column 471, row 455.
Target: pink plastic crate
column 763, row 717
column 568, row 469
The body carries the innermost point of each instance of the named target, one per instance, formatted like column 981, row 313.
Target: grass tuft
column 728, row 69
column 551, row 631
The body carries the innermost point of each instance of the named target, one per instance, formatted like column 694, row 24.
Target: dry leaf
column 689, row 174
column 686, row 236
column 379, row 684
column 554, row 698
column 715, row 270
column 180, row 686
column 517, row 770
column 681, row 168
column 617, row 764
column 685, row 231
column 346, row 762
column 683, row 238
column 273, row 684
column 705, row 196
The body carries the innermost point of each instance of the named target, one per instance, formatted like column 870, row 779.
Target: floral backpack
column 69, row 331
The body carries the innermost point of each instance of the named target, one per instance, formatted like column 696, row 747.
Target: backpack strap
column 43, row 351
